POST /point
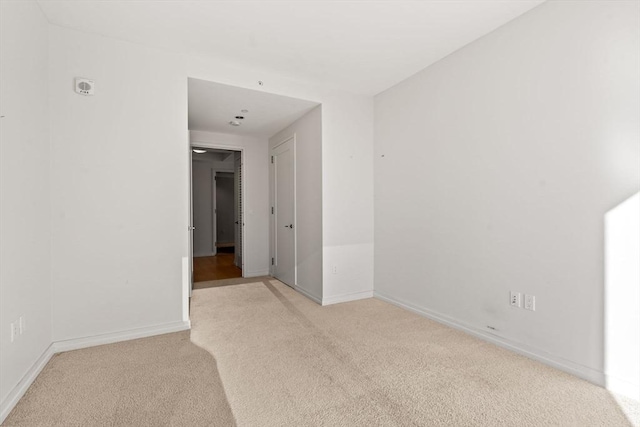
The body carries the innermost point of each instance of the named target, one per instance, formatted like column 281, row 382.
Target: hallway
column 217, row 267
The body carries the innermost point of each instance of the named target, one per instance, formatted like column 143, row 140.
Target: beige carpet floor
column 158, row 381
column 260, row 354
column 227, row 282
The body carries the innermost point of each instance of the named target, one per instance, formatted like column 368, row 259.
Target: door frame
column 272, row 202
column 205, row 145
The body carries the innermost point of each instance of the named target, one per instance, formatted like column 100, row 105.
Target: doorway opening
column 225, row 119
column 216, row 176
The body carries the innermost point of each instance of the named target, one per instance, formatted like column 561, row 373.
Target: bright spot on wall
column 622, row 298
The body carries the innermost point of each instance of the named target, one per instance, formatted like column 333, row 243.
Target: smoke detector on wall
column 84, row 86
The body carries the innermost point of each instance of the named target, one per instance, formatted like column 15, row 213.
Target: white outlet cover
column 514, row 299
column 84, row 86
column 530, row 302
column 14, row 331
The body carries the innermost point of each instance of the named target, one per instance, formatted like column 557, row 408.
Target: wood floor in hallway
column 217, row 267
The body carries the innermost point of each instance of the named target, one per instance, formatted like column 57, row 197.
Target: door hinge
column 271, row 261
column 271, row 159
column 271, row 210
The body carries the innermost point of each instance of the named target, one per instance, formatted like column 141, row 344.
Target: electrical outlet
column 334, row 270
column 14, row 331
column 514, row 299
column 530, row 302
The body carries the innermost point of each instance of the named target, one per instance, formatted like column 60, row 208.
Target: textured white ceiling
column 213, row 105
column 360, row 46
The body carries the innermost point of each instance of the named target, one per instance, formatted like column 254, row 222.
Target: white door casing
column 283, row 218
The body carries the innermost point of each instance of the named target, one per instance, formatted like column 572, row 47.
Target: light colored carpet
column 157, row 381
column 284, row 360
column 268, row 356
column 228, row 282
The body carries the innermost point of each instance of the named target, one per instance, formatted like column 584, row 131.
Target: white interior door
column 283, row 164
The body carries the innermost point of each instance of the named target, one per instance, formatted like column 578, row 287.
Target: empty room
column 303, row 213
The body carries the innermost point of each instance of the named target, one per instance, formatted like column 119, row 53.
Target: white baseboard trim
column 259, row 273
column 308, row 294
column 21, row 388
column 347, row 297
column 132, row 334
column 592, row 375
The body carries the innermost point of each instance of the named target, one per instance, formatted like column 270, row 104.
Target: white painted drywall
column 120, row 231
column 25, row 207
column 495, row 168
column 308, row 176
column 255, row 192
column 347, row 199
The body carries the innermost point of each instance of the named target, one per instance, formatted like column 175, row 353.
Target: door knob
column 288, row 226
column 191, row 228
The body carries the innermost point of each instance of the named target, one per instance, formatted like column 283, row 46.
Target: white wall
column 119, row 229
column 106, row 216
column 495, row 167
column 255, row 191
column 347, row 199
column 308, row 133
column 215, row 160
column 25, row 206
